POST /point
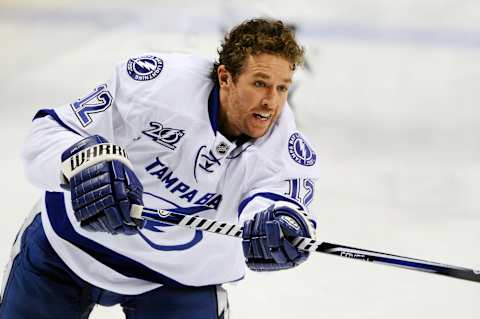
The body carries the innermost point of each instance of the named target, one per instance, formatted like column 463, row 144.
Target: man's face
column 251, row 104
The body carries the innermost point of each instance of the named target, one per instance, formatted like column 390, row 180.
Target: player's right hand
column 103, row 193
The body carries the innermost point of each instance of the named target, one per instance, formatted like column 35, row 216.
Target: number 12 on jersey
column 97, row 101
column 301, row 190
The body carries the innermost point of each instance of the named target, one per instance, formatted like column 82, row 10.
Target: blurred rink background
column 389, row 98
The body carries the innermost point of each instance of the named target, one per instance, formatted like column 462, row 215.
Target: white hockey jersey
column 162, row 108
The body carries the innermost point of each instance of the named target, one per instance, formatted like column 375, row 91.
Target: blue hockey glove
column 266, row 244
column 103, row 187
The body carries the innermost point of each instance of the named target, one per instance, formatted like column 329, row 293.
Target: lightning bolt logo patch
column 300, row 151
column 144, row 68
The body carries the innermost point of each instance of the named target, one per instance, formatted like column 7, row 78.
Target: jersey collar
column 213, row 107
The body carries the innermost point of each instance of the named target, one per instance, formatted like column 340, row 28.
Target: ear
column 224, row 77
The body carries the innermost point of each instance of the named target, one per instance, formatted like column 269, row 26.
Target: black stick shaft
column 307, row 244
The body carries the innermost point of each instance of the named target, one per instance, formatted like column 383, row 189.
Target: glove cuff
column 76, row 159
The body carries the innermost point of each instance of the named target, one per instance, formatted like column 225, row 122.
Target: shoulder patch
column 144, row 68
column 300, row 151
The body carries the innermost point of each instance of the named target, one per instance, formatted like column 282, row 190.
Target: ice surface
column 390, row 101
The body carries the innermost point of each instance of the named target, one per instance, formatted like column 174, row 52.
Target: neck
column 224, row 125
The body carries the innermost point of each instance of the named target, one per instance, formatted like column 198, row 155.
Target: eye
column 283, row 88
column 259, row 84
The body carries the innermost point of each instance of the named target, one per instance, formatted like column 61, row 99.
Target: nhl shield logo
column 222, row 148
column 144, row 68
column 165, row 136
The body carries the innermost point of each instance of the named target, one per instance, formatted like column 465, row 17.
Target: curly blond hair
column 254, row 37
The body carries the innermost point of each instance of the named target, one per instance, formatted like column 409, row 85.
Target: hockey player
column 215, row 140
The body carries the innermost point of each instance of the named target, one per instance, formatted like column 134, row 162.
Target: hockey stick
column 307, row 244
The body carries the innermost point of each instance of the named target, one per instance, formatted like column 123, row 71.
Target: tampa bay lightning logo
column 144, row 68
column 147, row 233
column 300, row 151
column 165, row 136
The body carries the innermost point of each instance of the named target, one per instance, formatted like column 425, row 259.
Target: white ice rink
column 389, row 100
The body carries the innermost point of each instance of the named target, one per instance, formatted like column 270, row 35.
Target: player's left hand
column 266, row 244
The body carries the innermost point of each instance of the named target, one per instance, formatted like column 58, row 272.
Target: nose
column 270, row 98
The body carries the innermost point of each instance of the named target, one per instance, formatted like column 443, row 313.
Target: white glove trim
column 91, row 156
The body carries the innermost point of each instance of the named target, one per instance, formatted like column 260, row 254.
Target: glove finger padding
column 255, row 243
column 127, row 189
column 107, row 207
column 266, row 243
column 293, row 224
column 102, row 191
column 284, row 251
